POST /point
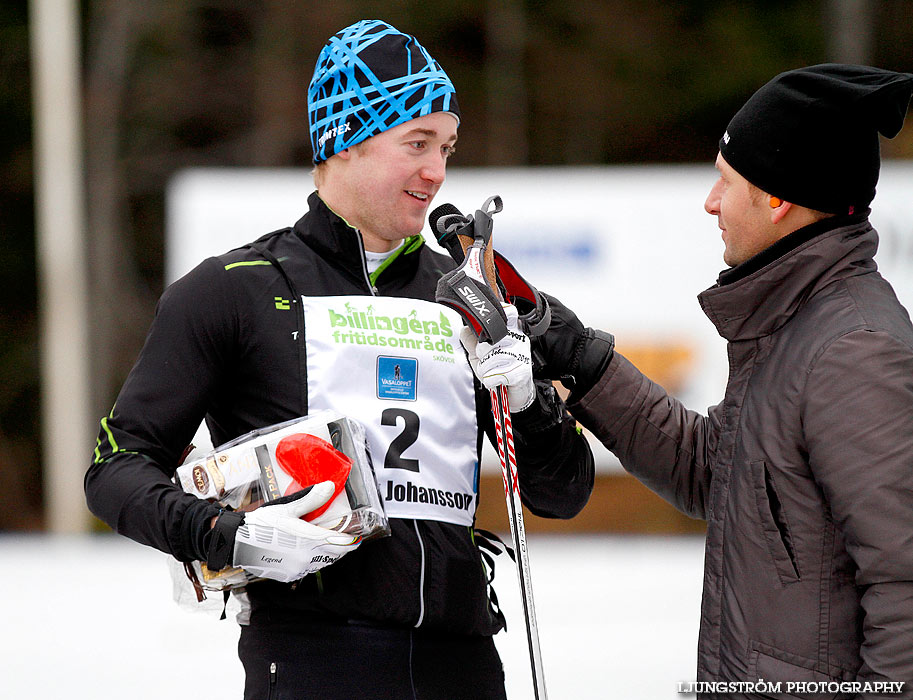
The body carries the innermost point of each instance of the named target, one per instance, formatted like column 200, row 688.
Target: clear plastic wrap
column 280, row 460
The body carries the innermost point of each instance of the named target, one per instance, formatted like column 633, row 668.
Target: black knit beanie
column 810, row 136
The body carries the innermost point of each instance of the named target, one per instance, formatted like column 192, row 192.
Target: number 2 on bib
column 394, row 458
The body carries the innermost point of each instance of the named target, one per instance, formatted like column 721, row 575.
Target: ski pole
column 467, row 290
column 518, row 534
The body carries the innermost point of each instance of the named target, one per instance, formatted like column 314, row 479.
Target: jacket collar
column 759, row 296
column 340, row 244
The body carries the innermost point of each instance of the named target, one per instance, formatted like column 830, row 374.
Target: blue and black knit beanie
column 369, row 78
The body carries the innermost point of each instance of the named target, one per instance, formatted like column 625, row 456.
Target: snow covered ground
column 92, row 618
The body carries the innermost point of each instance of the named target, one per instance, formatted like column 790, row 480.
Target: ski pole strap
column 475, row 302
column 534, row 312
column 482, row 221
column 490, row 542
column 490, row 546
column 222, row 539
column 448, row 225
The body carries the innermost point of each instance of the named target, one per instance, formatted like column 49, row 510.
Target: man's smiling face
column 391, row 178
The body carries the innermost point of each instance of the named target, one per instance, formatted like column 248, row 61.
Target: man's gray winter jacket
column 804, row 472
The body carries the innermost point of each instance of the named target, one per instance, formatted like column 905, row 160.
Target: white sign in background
column 628, row 248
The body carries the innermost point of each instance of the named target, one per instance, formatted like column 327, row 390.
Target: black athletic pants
column 360, row 662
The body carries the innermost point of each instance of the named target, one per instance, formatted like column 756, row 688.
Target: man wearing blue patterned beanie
column 378, row 99
column 337, row 313
column 369, row 78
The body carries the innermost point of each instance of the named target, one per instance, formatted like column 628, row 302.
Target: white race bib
column 397, row 366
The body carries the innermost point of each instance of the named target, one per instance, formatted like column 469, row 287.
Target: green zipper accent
column 411, row 244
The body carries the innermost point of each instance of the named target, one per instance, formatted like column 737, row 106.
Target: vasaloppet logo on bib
column 397, row 378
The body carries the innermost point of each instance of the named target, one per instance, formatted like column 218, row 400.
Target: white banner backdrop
column 627, row 247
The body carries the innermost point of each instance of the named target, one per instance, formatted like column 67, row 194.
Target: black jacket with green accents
column 226, row 345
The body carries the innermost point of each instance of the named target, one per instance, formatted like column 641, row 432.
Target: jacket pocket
column 780, row 667
column 774, row 524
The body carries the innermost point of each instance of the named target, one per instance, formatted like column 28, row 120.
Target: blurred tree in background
column 171, row 84
column 20, row 477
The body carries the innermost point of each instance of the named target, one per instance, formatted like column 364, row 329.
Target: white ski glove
column 273, row 542
column 506, row 362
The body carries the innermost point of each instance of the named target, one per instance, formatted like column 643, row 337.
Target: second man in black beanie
column 804, row 470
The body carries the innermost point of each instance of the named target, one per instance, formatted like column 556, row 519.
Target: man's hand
column 506, row 362
column 570, row 352
column 273, row 542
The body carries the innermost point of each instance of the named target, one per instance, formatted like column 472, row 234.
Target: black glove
column 568, row 351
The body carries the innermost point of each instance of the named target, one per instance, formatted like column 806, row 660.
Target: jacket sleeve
column 161, row 404
column 858, row 421
column 554, row 461
column 658, row 440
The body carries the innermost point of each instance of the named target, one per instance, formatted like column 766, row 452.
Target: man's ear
column 344, row 154
column 778, row 212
